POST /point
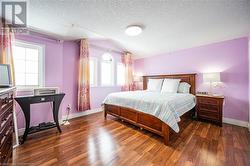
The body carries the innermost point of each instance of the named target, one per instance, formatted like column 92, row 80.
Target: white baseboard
column 21, row 131
column 71, row 116
column 236, row 122
column 84, row 113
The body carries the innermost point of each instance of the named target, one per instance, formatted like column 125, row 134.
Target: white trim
column 71, row 116
column 95, row 61
column 84, row 113
column 123, row 74
column 41, row 61
column 235, row 122
column 112, row 72
column 21, row 131
column 15, row 127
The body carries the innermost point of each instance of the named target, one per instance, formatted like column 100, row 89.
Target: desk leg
column 56, row 106
column 26, row 111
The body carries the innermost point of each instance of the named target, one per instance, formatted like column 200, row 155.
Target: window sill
column 106, row 86
column 25, row 89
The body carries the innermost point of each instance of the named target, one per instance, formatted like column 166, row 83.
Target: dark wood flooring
column 91, row 140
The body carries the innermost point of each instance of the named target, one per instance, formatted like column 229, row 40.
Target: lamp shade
column 137, row 78
column 211, row 77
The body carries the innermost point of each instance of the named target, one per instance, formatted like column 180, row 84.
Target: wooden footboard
column 142, row 120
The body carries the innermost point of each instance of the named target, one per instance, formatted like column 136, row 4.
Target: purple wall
column 61, row 66
column 70, row 75
column 53, row 77
column 229, row 57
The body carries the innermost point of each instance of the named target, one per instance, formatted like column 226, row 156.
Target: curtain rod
column 106, row 49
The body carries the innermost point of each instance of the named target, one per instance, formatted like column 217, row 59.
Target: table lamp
column 211, row 78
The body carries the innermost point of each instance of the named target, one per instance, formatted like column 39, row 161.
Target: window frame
column 95, row 60
column 112, row 72
column 117, row 64
column 41, row 63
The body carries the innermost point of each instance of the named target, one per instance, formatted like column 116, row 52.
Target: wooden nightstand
column 210, row 108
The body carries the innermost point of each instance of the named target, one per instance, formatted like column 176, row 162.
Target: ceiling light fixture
column 133, row 30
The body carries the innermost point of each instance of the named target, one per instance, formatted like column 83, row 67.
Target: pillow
column 184, row 87
column 154, row 84
column 170, row 85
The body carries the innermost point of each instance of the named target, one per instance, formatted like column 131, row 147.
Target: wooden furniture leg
column 105, row 114
column 165, row 132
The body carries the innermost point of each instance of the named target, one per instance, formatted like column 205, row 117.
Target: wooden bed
column 146, row 121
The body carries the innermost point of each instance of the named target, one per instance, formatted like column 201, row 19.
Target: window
column 107, row 71
column 28, row 64
column 93, row 71
column 120, row 74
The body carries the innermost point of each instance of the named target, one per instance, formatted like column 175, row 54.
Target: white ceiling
column 169, row 25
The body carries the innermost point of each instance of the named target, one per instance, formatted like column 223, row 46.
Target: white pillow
column 170, row 85
column 184, row 87
column 154, row 84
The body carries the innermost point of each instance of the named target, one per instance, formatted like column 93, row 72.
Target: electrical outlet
column 68, row 107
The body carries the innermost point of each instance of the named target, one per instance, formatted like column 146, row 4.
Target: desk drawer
column 6, row 149
column 39, row 99
column 6, row 124
column 5, row 137
column 5, row 100
column 6, row 118
column 5, row 129
column 5, row 108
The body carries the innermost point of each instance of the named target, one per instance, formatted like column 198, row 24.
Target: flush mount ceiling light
column 133, row 30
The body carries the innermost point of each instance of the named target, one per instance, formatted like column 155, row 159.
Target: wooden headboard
column 189, row 78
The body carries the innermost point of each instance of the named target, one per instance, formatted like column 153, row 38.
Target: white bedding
column 168, row 107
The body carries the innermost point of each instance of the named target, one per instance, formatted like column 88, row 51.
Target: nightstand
column 210, row 108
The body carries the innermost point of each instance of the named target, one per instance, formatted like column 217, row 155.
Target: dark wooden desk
column 26, row 101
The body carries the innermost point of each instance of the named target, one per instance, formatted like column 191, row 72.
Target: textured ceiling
column 169, row 25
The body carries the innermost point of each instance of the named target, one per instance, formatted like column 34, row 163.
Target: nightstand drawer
column 209, row 101
column 209, row 107
column 208, row 115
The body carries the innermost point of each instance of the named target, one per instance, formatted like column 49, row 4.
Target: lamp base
column 217, row 94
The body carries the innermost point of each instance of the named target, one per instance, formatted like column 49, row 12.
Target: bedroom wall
column 228, row 57
column 53, row 77
column 61, row 70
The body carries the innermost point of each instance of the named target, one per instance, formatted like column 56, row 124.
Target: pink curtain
column 83, row 78
column 6, row 39
column 127, row 61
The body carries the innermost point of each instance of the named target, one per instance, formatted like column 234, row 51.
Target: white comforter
column 168, row 107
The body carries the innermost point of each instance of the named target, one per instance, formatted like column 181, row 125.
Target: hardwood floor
column 91, row 140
